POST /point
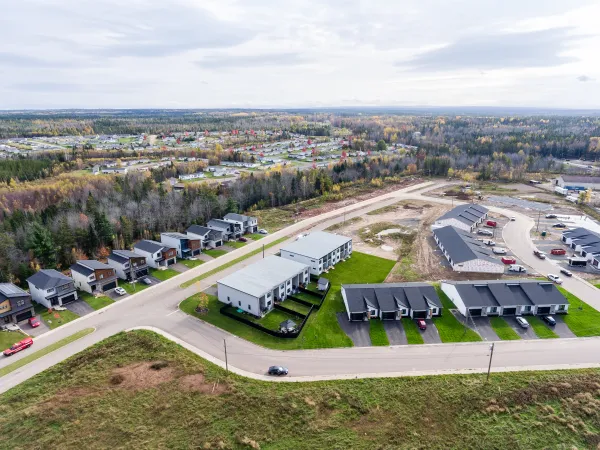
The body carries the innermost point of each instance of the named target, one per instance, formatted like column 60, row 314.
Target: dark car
column 566, row 272
column 243, row 239
column 549, row 320
column 421, row 324
column 277, row 370
column 559, row 225
column 551, row 216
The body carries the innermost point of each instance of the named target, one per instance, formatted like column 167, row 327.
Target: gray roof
column 580, row 178
column 475, row 294
column 316, row 244
column 150, row 246
column 198, row 229
column 589, row 241
column 175, row 235
column 463, row 246
column 87, row 266
column 263, row 276
column 468, row 214
column 9, row 290
column 391, row 296
column 123, row 256
column 215, row 235
column 236, row 217
column 221, row 224
column 48, row 278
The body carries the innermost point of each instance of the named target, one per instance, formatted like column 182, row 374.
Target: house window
column 561, row 307
column 239, row 302
column 20, row 302
column 528, row 308
column 249, row 307
column 228, row 299
column 493, row 309
column 269, row 295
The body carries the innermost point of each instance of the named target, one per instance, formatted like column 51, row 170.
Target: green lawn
column 295, row 306
column 255, row 236
column 542, row 330
column 322, row 329
column 95, row 302
column 133, row 288
column 582, row 319
column 8, row 338
column 413, row 334
column 308, row 297
column 191, row 263
column 236, row 244
column 215, row 253
column 163, row 275
column 450, row 329
column 270, row 320
column 377, row 333
column 55, row 319
column 503, row 329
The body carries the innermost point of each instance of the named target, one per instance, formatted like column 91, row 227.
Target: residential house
column 463, row 217
column 157, row 255
column 191, row 176
column 256, row 287
column 51, row 288
column 505, row 298
column 391, row 301
column 209, row 238
column 230, row 230
column 186, row 246
column 585, row 242
column 15, row 304
column 93, row 276
column 115, row 170
column 128, row 265
column 320, row 250
column 248, row 224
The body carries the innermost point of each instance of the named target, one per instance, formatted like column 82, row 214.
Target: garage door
column 24, row 316
column 510, row 311
column 476, row 312
column 357, row 316
column 109, row 286
column 419, row 314
column 543, row 310
column 141, row 273
column 68, row 299
column 170, row 262
column 388, row 315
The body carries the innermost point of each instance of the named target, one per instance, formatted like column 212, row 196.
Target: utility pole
column 263, row 251
column 490, row 365
column 537, row 228
column 227, row 365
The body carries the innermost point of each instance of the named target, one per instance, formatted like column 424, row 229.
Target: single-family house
column 157, row 255
column 93, row 276
column 320, row 250
column 15, row 304
column 505, row 297
column 128, row 265
column 51, row 288
column 186, row 246
column 585, row 242
column 257, row 287
column 209, row 238
column 115, row 170
column 391, row 301
column 464, row 217
column 230, row 230
column 248, row 224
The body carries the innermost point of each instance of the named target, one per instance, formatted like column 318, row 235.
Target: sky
column 299, row 53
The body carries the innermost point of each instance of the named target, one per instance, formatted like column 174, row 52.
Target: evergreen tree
column 42, row 245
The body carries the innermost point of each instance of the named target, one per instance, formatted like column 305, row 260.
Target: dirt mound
column 142, row 375
column 197, row 383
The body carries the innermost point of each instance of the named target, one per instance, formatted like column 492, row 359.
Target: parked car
column 559, row 225
column 558, row 251
column 566, row 272
column 522, row 322
column 492, row 223
column 243, row 239
column 34, row 322
column 513, row 218
column 539, row 254
column 120, row 291
column 549, row 320
column 421, row 324
column 485, row 232
column 551, row 216
column 499, row 251
column 277, row 370
column 263, row 231
column 517, row 268
column 147, row 281
column 555, row 278
column 508, row 260
column 488, row 242
column 21, row 345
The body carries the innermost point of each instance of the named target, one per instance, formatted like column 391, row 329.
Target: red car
column 558, row 251
column 508, row 260
column 243, row 239
column 491, row 223
column 34, row 322
column 22, row 345
column 421, row 324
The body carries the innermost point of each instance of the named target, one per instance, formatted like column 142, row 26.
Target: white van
column 499, row 251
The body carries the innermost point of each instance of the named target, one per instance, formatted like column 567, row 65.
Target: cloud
column 21, row 60
column 44, row 86
column 584, row 78
column 250, row 61
column 510, row 50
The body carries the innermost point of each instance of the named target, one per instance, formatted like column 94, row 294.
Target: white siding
column 452, row 293
column 169, row 241
column 38, row 295
column 81, row 281
column 313, row 263
column 238, row 299
column 119, row 269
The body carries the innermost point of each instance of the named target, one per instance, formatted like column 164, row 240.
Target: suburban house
column 209, row 238
column 578, row 182
column 463, row 217
column 51, row 288
column 186, row 246
column 93, row 276
column 319, row 250
column 464, row 252
column 117, row 170
column 128, row 265
column 585, row 242
column 230, row 230
column 15, row 304
column 191, row 176
column 505, row 298
column 157, row 255
column 248, row 224
column 256, row 287
column 391, row 301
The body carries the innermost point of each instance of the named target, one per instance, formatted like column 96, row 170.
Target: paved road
column 157, row 307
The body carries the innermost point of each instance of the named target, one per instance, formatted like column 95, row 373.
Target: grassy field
column 131, row 288
column 274, row 219
column 340, row 225
column 36, row 355
column 377, row 333
column 450, row 329
column 163, row 275
column 542, row 330
column 503, row 329
column 8, row 338
column 55, row 319
column 255, row 236
column 215, row 253
column 191, row 263
column 236, row 244
column 95, row 302
column 109, row 396
column 322, row 329
column 582, row 319
column 413, row 334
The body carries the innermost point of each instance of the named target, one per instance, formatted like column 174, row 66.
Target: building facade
column 157, row 255
column 93, row 276
column 15, row 304
column 51, row 288
column 128, row 265
column 319, row 250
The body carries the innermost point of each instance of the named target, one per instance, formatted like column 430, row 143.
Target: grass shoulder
column 8, row 338
column 191, row 263
column 503, row 329
column 413, row 334
column 449, row 327
column 163, row 275
column 377, row 333
column 215, row 253
column 542, row 330
column 96, row 303
column 582, row 319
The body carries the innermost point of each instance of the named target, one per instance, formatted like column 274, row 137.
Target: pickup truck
column 539, row 254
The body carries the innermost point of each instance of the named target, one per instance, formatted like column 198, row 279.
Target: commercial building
column 319, row 250
column 578, row 182
column 584, row 242
column 463, row 217
column 93, row 276
column 51, row 288
column 255, row 288
column 15, row 304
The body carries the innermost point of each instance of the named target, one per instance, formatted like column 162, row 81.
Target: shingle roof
column 48, row 278
column 468, row 214
column 123, row 256
column 87, row 266
column 175, row 235
column 463, row 246
column 221, row 224
column 150, row 246
column 9, row 290
column 580, row 179
column 198, row 229
column 236, row 217
column 391, row 296
column 316, row 244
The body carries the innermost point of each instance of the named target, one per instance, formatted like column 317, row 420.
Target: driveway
column 358, row 332
column 395, row 332
column 204, row 257
column 79, row 307
column 561, row 328
column 431, row 335
column 524, row 333
column 180, row 267
column 114, row 296
column 34, row 332
column 153, row 279
column 484, row 328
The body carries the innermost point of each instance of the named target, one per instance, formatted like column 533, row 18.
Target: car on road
column 559, row 225
column 549, row 320
column 243, row 239
column 508, row 260
column 517, row 268
column 551, row 216
column 263, row 231
column 421, row 324
column 555, row 278
column 566, row 272
column 485, row 232
column 21, row 345
column 539, row 254
column 522, row 322
column 147, row 281
column 558, row 251
column 277, row 370
column 489, row 242
column 513, row 218
column 34, row 322
column 120, row 291
column 499, row 251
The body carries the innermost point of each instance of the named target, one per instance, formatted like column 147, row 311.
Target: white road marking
column 172, row 312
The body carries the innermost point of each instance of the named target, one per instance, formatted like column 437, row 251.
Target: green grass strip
column 43, row 352
column 503, row 329
column 449, row 327
column 377, row 333
column 540, row 328
column 231, row 263
column 413, row 334
column 582, row 319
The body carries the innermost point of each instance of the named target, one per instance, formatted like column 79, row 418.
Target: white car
column 120, row 291
column 489, row 242
column 263, row 231
column 555, row 278
column 517, row 268
column 499, row 251
column 522, row 322
column 513, row 218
